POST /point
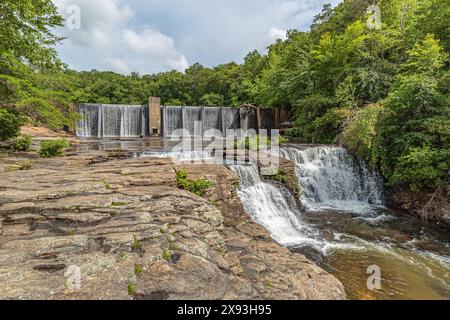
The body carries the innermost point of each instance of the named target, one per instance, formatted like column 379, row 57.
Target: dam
column 128, row 121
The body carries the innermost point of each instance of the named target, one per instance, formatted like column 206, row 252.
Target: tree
column 25, row 31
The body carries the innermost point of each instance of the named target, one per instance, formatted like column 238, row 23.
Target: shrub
column 9, row 124
column 197, row 187
column 53, row 148
column 22, row 143
column 422, row 167
column 326, row 128
column 307, row 111
column 360, row 132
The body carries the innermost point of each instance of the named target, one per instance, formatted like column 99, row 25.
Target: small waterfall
column 112, row 120
column 89, row 125
column 212, row 119
column 193, row 117
column 173, row 120
column 273, row 207
column 331, row 179
column 231, row 119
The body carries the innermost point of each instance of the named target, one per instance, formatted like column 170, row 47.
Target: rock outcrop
column 432, row 206
column 91, row 227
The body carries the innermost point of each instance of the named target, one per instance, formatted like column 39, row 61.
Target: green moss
column 131, row 289
column 278, row 176
column 215, row 203
column 197, row 187
column 138, row 269
column 11, row 168
column 166, row 255
column 136, row 244
column 118, row 204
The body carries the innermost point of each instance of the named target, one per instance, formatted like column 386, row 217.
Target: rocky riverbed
column 124, row 228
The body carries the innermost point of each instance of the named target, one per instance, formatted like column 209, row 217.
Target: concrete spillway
column 102, row 120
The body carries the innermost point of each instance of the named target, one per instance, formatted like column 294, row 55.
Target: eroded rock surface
column 127, row 231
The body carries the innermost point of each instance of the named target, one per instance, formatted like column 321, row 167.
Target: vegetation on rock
column 22, row 143
column 197, row 187
column 53, row 148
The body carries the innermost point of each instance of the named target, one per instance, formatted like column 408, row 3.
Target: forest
column 383, row 93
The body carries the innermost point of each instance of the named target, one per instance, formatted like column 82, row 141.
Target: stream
column 343, row 225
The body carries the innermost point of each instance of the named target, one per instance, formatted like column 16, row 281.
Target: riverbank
column 126, row 229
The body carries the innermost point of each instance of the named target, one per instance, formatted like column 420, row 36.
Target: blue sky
column 149, row 36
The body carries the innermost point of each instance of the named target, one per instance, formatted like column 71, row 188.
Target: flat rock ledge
column 93, row 227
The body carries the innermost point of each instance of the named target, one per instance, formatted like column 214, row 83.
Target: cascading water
column 414, row 258
column 331, row 179
column 90, row 124
column 212, row 119
column 271, row 206
column 112, row 121
column 341, row 228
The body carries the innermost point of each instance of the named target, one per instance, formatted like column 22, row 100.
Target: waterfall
column 193, row 116
column 212, row 119
column 331, row 179
column 89, row 124
column 112, row 120
column 273, row 207
column 230, row 119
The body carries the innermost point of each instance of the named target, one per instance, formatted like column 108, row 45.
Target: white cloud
column 151, row 44
column 274, row 34
column 158, row 35
column 118, row 65
column 99, row 20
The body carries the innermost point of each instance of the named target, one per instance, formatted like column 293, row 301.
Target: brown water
column 413, row 256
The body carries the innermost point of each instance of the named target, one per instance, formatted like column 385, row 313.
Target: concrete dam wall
column 126, row 121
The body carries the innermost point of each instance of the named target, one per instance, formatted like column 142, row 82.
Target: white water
column 350, row 238
column 331, row 179
column 272, row 207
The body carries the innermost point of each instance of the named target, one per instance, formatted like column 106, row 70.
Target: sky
column 151, row 36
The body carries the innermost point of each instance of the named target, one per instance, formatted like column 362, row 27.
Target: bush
column 422, row 167
column 22, row 143
column 307, row 111
column 326, row 128
column 9, row 124
column 360, row 132
column 53, row 148
column 197, row 187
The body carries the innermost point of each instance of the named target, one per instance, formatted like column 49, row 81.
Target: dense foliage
column 10, row 124
column 382, row 92
column 22, row 143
